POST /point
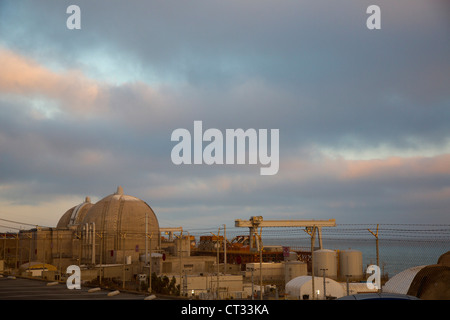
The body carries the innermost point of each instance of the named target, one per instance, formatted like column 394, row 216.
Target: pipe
column 93, row 242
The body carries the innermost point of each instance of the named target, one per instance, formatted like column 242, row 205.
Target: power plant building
column 117, row 228
column 117, row 238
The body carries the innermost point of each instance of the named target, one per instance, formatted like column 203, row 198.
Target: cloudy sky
column 363, row 115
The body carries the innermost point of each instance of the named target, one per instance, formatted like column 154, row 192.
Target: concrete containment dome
column 75, row 215
column 119, row 223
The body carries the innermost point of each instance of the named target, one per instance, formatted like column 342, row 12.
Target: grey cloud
column 309, row 68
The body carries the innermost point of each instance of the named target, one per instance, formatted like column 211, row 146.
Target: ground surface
column 29, row 289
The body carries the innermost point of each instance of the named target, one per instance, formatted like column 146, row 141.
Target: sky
column 363, row 115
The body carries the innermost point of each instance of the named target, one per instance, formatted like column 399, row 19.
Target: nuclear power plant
column 117, row 242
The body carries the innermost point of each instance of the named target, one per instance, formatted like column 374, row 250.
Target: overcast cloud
column 364, row 115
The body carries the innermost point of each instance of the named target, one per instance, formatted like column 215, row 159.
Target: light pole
column 312, row 232
column 348, row 288
column 324, row 284
column 376, row 240
column 150, row 266
column 123, row 267
column 224, row 249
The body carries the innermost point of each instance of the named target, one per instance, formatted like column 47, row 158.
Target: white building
column 301, row 288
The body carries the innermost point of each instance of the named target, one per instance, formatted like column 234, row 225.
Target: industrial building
column 118, row 240
column 115, row 230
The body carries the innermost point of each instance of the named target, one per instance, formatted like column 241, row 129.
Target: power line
column 24, row 223
column 9, row 227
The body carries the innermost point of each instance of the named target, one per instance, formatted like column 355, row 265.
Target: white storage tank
column 294, row 269
column 350, row 263
column 325, row 259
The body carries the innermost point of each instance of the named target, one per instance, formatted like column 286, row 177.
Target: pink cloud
column 73, row 91
column 397, row 166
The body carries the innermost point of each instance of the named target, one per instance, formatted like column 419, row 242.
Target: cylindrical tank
column 350, row 264
column 294, row 269
column 182, row 247
column 325, row 259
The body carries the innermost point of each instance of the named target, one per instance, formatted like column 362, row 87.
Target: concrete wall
column 230, row 286
column 189, row 265
column 275, row 272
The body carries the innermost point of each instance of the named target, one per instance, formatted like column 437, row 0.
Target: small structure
column 301, row 288
column 211, row 286
column 35, row 268
column 275, row 272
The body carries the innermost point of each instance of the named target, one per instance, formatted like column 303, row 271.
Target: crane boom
column 256, row 222
column 259, row 222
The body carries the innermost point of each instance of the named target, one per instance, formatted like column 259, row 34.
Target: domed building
column 75, row 215
column 116, row 227
column 117, row 237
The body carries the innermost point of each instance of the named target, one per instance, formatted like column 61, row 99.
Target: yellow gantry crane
column 258, row 222
column 311, row 227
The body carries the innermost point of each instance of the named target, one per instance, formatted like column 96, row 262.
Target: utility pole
column 43, row 264
column 376, row 240
column 224, row 249
column 146, row 237
column 324, row 284
column 150, row 267
column 123, row 268
column 348, row 288
column 59, row 238
column 101, row 256
column 313, row 232
column 79, row 249
column 181, row 269
column 29, row 251
column 17, row 251
column 218, row 264
column 260, row 263
column 218, row 248
column 4, row 246
column 93, row 242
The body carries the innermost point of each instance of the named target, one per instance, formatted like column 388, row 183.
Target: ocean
column 400, row 247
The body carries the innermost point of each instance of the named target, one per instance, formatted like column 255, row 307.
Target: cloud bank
column 363, row 115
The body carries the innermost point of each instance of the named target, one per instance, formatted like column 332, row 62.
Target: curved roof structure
column 300, row 287
column 119, row 214
column 401, row 282
column 75, row 215
column 38, row 265
column 120, row 220
column 115, row 228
